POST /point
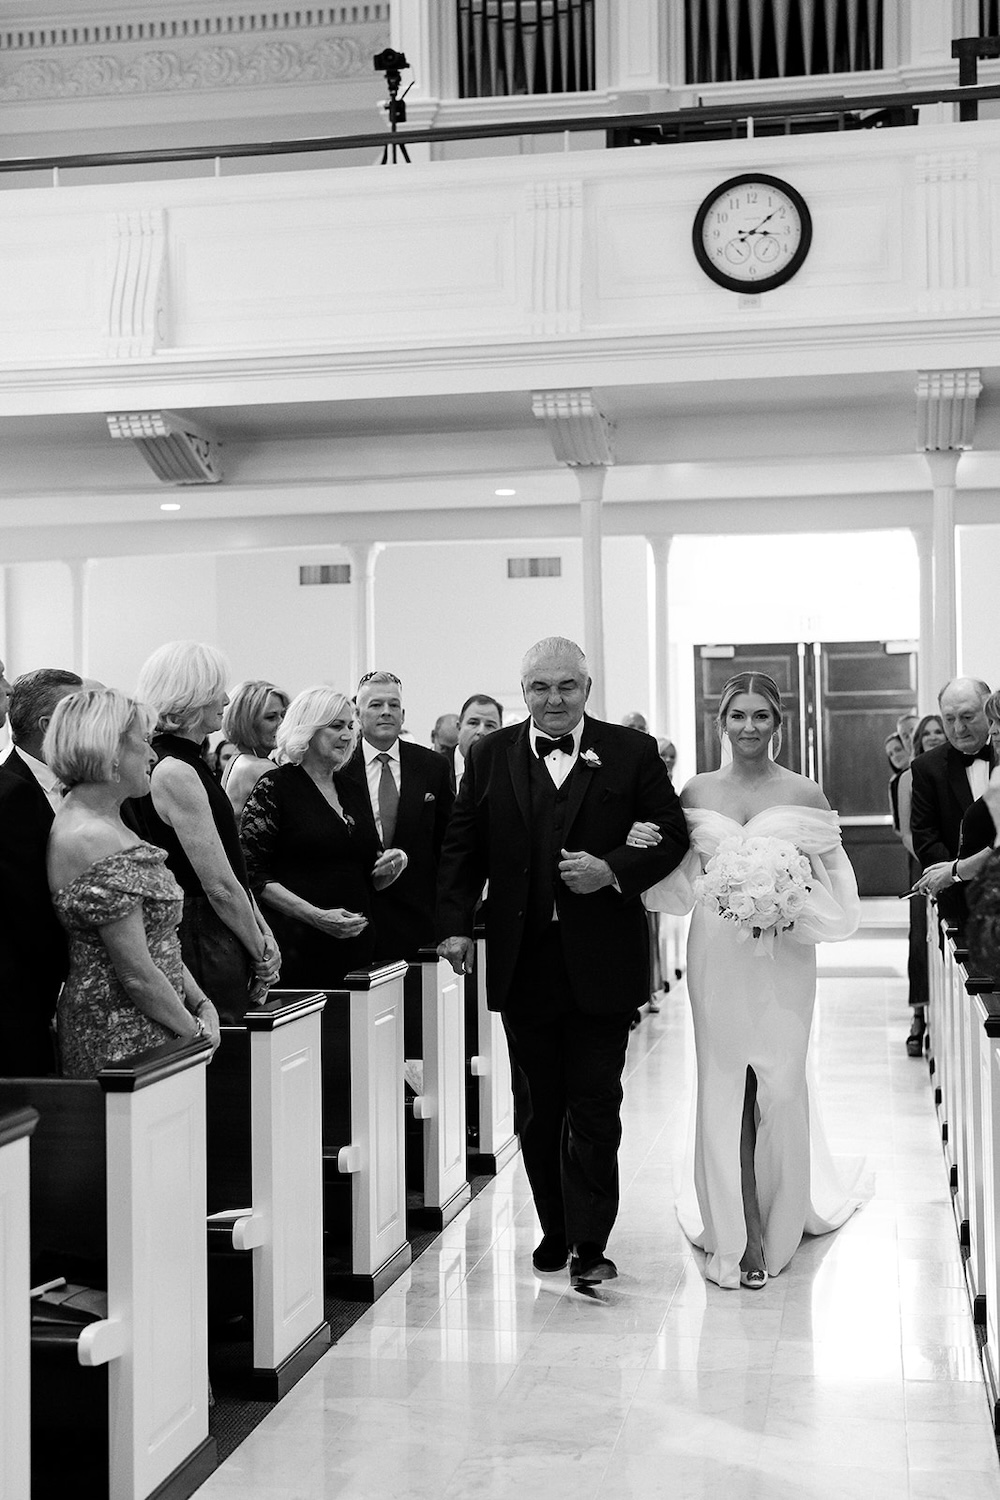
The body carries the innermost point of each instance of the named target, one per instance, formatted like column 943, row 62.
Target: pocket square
column 429, row 797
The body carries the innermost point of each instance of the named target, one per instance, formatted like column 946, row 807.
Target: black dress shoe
column 590, row 1265
column 550, row 1254
column 915, row 1040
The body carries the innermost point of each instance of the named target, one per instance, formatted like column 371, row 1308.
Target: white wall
column 137, row 603
column 978, row 574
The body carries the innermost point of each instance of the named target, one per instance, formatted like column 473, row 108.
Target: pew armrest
column 423, row 1108
column 249, row 1232
column 349, row 1159
column 478, row 1067
column 100, row 1343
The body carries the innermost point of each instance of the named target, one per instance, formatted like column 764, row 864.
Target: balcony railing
column 838, row 112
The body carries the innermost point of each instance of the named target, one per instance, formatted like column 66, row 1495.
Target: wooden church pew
column 490, row 1099
column 118, row 1200
column 265, row 1182
column 16, row 1127
column 437, row 993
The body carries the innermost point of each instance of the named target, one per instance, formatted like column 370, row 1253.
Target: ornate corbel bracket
column 136, row 293
column 579, row 432
column 176, row 450
column 946, row 409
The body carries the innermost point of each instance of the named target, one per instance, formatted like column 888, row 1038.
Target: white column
column 927, row 687
column 590, row 478
column 426, row 32
column 79, row 572
column 660, row 653
column 944, row 655
column 362, row 555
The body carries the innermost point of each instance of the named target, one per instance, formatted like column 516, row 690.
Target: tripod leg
column 406, row 154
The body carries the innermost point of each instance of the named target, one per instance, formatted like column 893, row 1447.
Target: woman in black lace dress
column 227, row 944
column 127, row 989
column 312, row 855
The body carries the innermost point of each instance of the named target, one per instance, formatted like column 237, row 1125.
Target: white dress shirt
column 459, row 767
column 978, row 772
column 373, row 775
column 557, row 762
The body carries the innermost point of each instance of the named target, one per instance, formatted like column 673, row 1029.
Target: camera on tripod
column 390, row 62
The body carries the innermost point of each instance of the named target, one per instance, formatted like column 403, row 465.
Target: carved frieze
column 253, row 50
column 555, row 216
column 948, row 203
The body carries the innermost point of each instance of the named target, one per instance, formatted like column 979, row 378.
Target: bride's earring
column 116, row 774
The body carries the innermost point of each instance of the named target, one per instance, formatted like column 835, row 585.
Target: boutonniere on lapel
column 591, row 758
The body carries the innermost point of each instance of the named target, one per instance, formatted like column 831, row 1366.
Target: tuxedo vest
column 548, row 828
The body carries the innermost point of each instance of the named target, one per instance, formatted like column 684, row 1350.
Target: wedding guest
column 408, row 803
column 226, row 943
column 481, row 715
column 978, row 828
column 905, row 726
column 444, row 735
column 928, row 734
column 896, row 755
column 251, row 723
column 312, row 852
column 762, row 1176
column 4, row 694
column 544, row 813
column 635, row 720
column 127, row 989
column 946, row 781
column 34, row 960
column 667, row 751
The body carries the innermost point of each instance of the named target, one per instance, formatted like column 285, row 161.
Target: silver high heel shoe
column 755, row 1280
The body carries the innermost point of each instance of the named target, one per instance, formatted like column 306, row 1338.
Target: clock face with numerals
column 752, row 233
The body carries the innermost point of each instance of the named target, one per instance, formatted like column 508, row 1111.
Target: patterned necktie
column 388, row 799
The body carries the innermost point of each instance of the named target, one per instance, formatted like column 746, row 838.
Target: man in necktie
column 481, row 715
column 946, row 781
column 409, row 791
column 544, row 813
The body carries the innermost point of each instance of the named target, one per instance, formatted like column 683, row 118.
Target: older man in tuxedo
column 544, row 813
column 946, row 781
column 34, row 961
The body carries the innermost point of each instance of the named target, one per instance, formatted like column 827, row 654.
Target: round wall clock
column 752, row 233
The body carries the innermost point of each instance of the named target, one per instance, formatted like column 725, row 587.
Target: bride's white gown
column 756, row 1011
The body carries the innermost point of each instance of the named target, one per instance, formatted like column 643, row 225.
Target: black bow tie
column 984, row 754
column 544, row 747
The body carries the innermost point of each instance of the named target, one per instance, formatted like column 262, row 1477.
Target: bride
column 762, row 1173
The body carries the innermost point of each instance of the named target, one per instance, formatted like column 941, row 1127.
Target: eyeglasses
column 369, row 675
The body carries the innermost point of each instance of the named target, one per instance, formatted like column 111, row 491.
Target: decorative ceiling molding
column 946, row 409
column 579, row 432
column 176, row 450
column 253, row 50
column 26, row 36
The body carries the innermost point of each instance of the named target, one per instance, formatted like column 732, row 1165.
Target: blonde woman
column 251, row 723
column 127, row 989
column 312, row 852
column 227, row 944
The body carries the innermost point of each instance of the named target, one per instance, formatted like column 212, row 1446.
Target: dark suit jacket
column 941, row 796
column 604, row 934
column 404, row 913
column 35, row 956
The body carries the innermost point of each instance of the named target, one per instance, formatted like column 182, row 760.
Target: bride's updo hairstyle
column 752, row 682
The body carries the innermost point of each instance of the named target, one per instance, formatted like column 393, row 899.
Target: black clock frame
column 765, row 283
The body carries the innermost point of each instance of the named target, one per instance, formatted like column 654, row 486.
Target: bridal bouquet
column 760, row 884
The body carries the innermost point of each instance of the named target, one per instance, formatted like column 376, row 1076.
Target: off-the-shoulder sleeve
column 97, row 899
column 675, row 892
column 833, row 909
column 260, row 825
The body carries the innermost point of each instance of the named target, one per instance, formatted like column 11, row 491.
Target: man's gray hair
column 554, row 648
column 982, row 688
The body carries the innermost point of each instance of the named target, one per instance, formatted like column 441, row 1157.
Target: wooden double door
column 839, row 701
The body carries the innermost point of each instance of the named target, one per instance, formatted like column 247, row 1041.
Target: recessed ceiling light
column 505, row 492
column 170, row 505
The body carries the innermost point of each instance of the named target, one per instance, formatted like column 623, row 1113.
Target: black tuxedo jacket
column 940, row 798
column 404, row 912
column 35, row 956
column 604, row 934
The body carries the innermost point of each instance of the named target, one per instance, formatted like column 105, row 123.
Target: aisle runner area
column 852, row 1376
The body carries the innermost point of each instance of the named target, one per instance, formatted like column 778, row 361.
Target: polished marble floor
column 852, row 1376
